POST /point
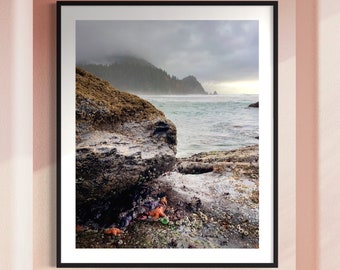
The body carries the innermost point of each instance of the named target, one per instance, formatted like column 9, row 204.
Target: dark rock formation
column 195, row 168
column 121, row 142
column 254, row 105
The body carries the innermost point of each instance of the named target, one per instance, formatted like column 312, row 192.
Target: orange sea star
column 79, row 228
column 113, row 231
column 158, row 212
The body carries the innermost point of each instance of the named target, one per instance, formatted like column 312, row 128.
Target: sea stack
column 254, row 105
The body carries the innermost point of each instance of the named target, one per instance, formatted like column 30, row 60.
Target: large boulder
column 121, row 141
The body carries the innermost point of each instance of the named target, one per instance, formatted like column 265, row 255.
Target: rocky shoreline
column 205, row 209
column 132, row 191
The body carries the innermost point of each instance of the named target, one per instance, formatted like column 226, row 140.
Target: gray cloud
column 210, row 50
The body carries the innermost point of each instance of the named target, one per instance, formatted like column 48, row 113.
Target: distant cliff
column 139, row 76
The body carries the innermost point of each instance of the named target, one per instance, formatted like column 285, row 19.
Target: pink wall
column 16, row 131
column 306, row 135
column 328, row 133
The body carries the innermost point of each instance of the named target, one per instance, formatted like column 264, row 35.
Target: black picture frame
column 61, row 137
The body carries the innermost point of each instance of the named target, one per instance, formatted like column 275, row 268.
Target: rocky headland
column 136, row 75
column 132, row 192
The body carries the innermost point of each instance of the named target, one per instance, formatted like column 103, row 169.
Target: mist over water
column 210, row 122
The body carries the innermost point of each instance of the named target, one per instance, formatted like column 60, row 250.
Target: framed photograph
column 167, row 134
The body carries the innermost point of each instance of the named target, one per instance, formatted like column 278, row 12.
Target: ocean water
column 210, row 122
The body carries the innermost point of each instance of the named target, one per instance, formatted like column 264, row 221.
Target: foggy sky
column 215, row 52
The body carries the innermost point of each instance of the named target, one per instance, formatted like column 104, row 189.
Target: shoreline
column 212, row 202
column 132, row 191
